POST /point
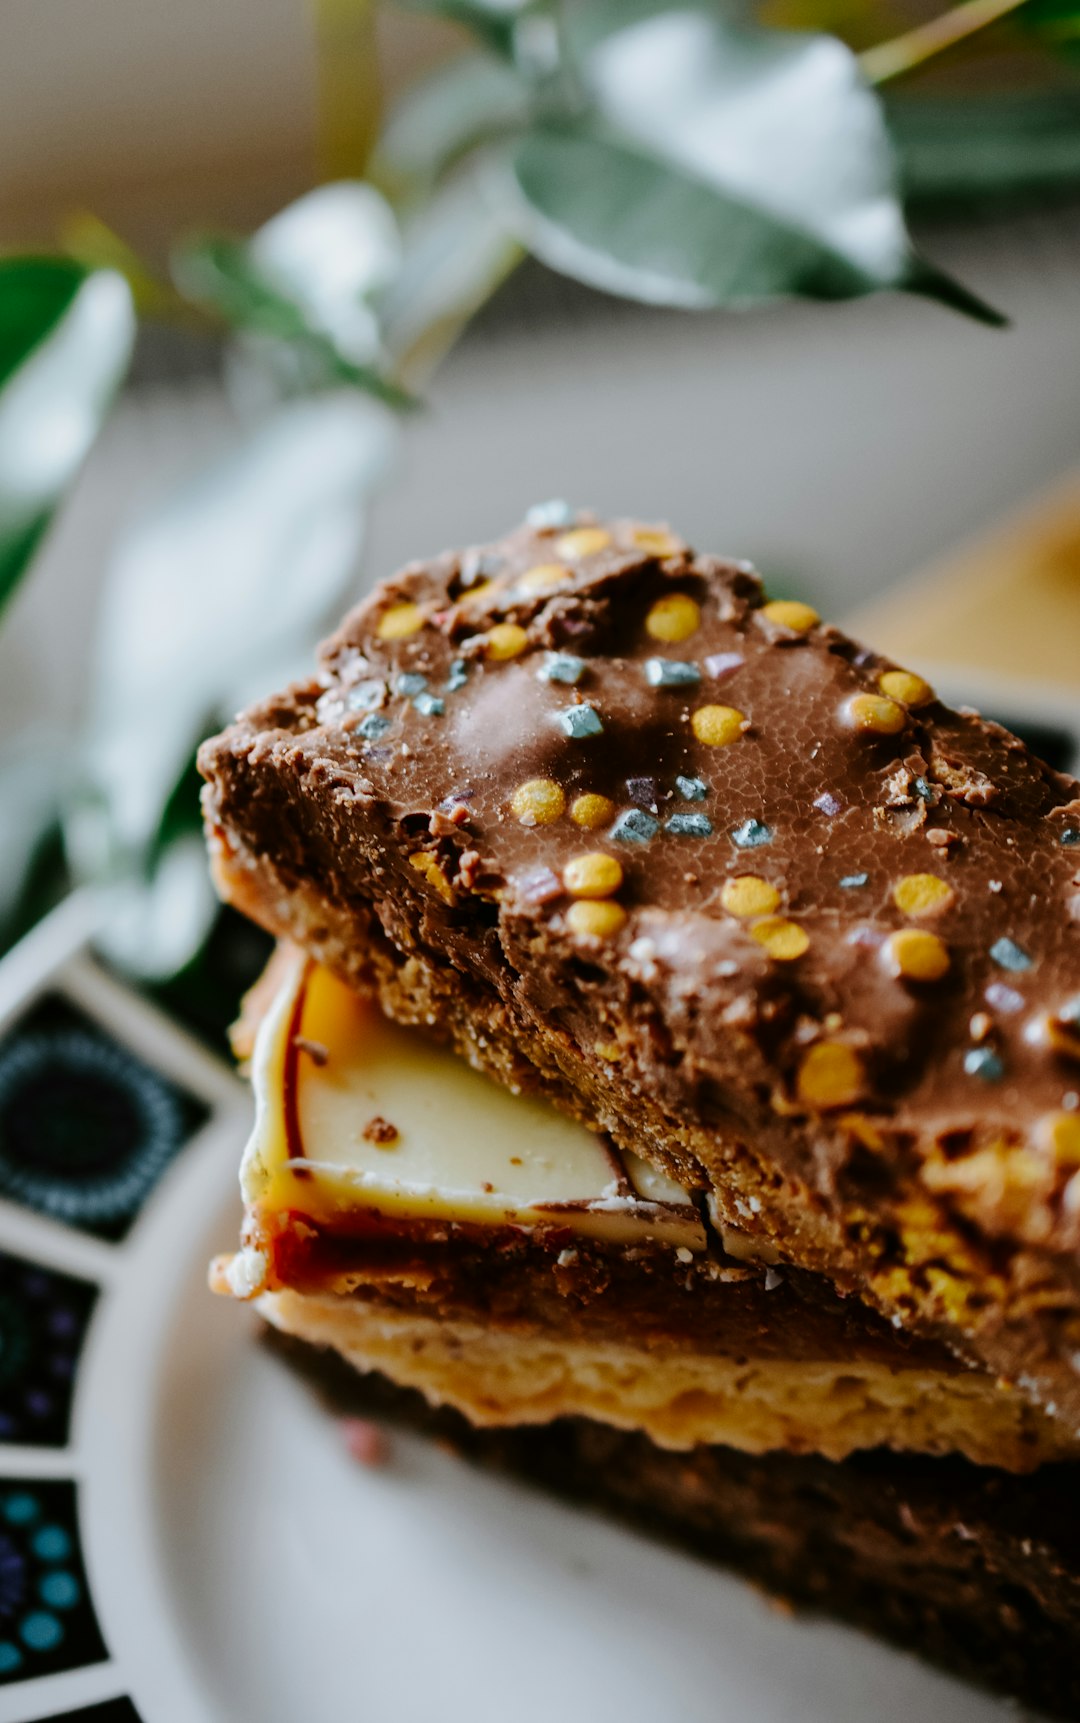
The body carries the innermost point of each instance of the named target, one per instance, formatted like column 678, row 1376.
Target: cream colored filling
column 506, row 1377
column 463, row 1148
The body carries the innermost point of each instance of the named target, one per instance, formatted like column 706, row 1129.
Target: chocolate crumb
column 381, row 1131
column 315, row 1050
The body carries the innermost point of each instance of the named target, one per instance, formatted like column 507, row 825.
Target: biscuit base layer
column 507, row 1376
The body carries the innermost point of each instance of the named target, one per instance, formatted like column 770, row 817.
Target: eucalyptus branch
column 902, row 54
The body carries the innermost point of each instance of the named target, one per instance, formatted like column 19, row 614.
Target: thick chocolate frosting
column 834, row 972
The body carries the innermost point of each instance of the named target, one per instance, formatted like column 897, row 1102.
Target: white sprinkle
column 684, row 1255
column 773, row 1280
column 566, row 1258
column 995, row 885
column 642, row 950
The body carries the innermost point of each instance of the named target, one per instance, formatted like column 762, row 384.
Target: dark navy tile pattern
column 86, row 1127
column 43, row 1320
column 47, row 1621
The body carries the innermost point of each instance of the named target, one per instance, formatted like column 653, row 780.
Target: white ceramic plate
column 198, row 1545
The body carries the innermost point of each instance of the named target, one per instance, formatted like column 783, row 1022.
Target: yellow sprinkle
column 747, row 894
column 545, row 577
column 480, row 593
column 505, row 640
column 1059, row 1134
column 716, row 726
column 873, row 712
column 585, row 541
column 674, row 617
column 657, row 543
column 426, row 864
column 922, row 894
column 917, row 956
column 783, row 940
column 789, row 613
column 592, row 920
column 609, row 1050
column 592, row 875
column 864, row 1131
column 904, row 685
column 538, row 802
column 831, row 1075
column 591, row 811
column 400, row 621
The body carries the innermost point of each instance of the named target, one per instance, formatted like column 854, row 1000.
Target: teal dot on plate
column 40, row 1631
column 10, row 1657
column 20, row 1509
column 59, row 1590
column 51, row 1543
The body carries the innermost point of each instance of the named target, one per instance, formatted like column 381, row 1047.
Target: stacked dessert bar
column 670, row 1074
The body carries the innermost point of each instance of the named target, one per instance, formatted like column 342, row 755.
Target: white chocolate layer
column 332, row 1076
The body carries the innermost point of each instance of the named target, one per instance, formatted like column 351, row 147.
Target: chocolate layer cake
column 427, row 1247
column 486, row 1250
column 720, row 884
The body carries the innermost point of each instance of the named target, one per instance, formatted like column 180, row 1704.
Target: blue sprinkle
column 563, row 667
column 20, row 1509
column 459, row 675
column 373, row 726
column 410, row 682
column 553, row 513
column 60, row 1590
column 51, row 1543
column 1071, row 835
column 751, row 835
column 1008, row 955
column 579, row 721
column 692, row 789
column 852, row 881
column 10, row 1657
column 689, row 825
column 634, row 827
column 429, row 705
column 671, row 673
column 984, row 1062
column 41, row 1632
column 922, row 790
column 365, row 696
column 1070, row 1013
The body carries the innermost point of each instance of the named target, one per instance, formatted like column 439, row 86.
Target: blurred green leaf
column 225, row 275
column 443, row 117
column 214, row 596
column 712, row 166
column 492, row 22
column 455, row 252
column 990, row 150
column 66, row 335
column 1056, row 23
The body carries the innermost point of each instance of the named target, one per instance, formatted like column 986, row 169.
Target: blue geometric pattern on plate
column 47, row 1622
column 109, row 1711
column 86, row 1127
column 43, row 1321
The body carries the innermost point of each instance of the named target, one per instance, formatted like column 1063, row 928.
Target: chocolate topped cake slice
column 717, row 882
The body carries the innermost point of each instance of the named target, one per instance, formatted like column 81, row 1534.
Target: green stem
column 903, row 53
